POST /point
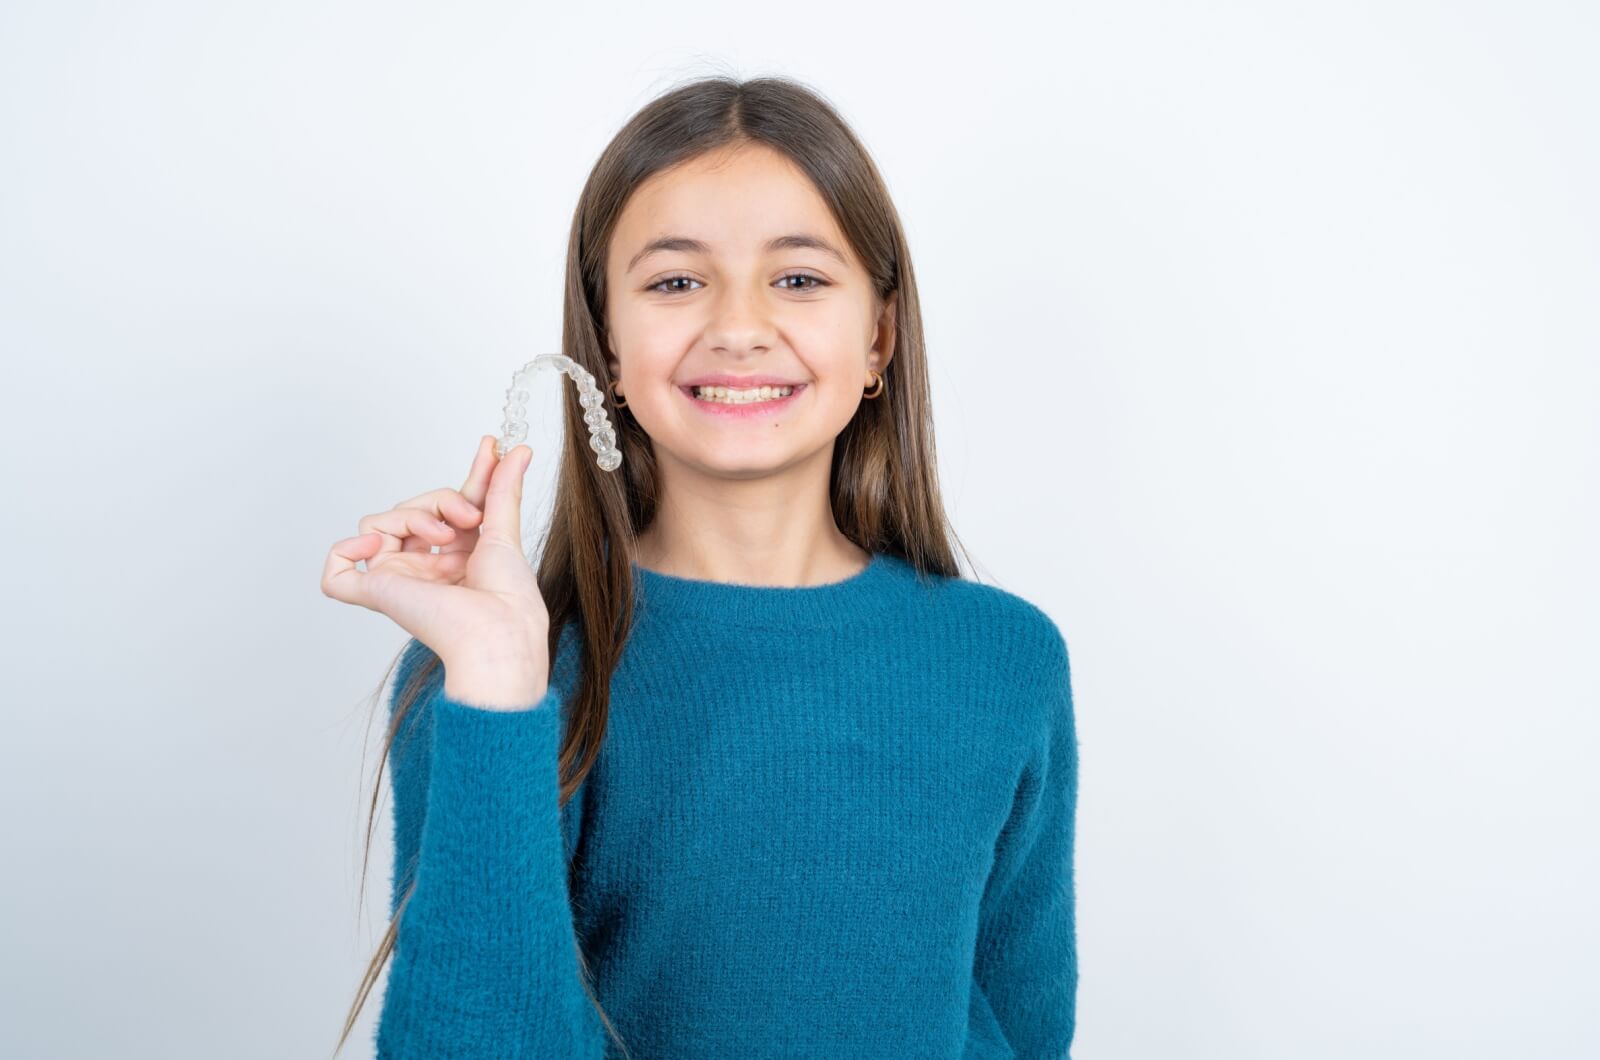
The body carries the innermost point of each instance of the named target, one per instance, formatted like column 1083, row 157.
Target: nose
column 740, row 321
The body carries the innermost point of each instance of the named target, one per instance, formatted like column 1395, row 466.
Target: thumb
column 502, row 505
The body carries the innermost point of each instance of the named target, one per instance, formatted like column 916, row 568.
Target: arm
column 485, row 959
column 1026, row 966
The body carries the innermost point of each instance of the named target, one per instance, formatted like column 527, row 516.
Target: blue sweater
column 829, row 821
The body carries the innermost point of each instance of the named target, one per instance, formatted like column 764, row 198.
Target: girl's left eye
column 816, row 281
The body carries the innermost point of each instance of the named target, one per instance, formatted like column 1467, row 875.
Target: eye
column 669, row 279
column 816, row 281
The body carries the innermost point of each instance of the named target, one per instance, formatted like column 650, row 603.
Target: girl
column 747, row 769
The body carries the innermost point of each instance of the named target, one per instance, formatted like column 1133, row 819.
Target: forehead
column 733, row 200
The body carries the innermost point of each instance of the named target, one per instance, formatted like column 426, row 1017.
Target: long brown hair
column 884, row 487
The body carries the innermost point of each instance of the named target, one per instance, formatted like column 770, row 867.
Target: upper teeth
column 728, row 394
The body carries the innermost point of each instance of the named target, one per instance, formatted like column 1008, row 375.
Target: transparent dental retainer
column 602, row 439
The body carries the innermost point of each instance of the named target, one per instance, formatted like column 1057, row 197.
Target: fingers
column 483, row 464
column 406, row 529
column 447, row 504
column 458, row 514
column 502, row 505
column 446, row 518
column 414, row 599
column 340, row 578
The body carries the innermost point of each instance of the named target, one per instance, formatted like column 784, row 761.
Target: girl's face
column 731, row 265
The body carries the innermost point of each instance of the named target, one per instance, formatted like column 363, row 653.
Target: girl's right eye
column 656, row 287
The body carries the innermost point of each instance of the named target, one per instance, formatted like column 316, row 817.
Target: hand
column 475, row 603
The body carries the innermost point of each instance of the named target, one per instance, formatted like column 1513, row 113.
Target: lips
column 746, row 409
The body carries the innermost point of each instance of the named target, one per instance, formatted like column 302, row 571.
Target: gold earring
column 621, row 404
column 877, row 381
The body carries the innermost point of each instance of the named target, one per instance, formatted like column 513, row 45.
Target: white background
column 1264, row 344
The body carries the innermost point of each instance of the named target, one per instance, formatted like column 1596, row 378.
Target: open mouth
column 743, row 408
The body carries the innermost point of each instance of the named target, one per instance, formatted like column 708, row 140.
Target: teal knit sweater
column 829, row 821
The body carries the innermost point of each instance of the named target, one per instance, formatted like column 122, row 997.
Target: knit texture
column 829, row 821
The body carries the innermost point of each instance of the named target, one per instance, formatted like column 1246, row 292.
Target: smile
column 743, row 408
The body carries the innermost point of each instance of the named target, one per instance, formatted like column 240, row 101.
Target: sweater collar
column 884, row 579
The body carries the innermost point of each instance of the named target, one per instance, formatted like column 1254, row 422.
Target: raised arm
column 1026, row 969
column 485, row 960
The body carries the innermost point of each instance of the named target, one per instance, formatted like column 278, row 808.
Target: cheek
column 649, row 358
column 834, row 400
column 830, row 333
column 643, row 337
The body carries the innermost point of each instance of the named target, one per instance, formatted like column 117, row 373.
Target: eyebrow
column 792, row 241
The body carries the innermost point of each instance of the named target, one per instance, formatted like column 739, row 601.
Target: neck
column 789, row 561
column 774, row 530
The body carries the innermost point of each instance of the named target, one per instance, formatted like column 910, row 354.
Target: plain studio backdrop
column 1263, row 340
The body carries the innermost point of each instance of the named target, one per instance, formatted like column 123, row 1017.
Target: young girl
column 747, row 769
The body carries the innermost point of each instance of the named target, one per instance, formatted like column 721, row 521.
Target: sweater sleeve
column 1026, row 968
column 485, row 960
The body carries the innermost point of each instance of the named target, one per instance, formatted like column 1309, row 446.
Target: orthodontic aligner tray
column 602, row 438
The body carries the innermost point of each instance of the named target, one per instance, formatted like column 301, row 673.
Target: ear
column 883, row 337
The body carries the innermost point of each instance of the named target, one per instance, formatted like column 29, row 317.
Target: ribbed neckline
column 882, row 581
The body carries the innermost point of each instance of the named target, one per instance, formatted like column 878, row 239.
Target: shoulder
column 1018, row 646
column 1010, row 624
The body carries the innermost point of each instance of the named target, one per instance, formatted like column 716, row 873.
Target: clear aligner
column 602, row 439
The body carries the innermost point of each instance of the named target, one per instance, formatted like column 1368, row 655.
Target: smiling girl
column 746, row 768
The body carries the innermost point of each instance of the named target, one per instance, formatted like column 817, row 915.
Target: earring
column 616, row 398
column 602, row 439
column 877, row 383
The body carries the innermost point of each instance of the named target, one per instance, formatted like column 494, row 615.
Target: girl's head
column 681, row 263
column 731, row 265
